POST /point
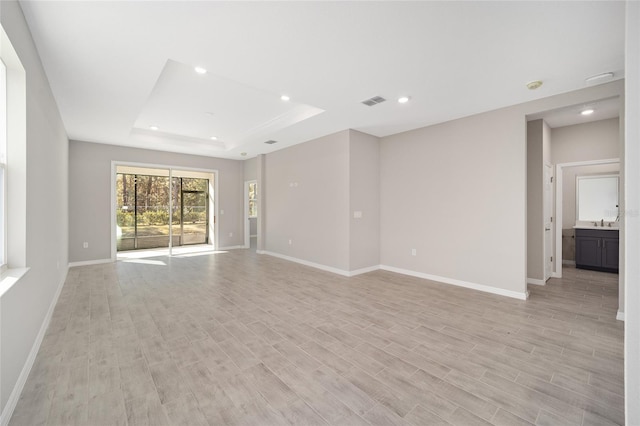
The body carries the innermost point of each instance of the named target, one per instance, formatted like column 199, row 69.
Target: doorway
column 574, row 141
column 162, row 208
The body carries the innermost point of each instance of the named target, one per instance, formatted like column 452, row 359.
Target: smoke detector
column 600, row 78
column 533, row 85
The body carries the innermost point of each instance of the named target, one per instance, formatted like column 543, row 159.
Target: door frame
column 557, row 265
column 213, row 213
column 548, row 256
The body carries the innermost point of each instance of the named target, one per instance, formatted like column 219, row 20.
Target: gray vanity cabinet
column 597, row 249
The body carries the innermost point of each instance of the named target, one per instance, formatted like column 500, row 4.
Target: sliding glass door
column 143, row 211
column 191, row 211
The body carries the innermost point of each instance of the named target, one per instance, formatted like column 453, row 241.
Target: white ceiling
column 118, row 67
column 602, row 109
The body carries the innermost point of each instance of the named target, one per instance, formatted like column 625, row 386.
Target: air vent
column 271, row 142
column 374, row 101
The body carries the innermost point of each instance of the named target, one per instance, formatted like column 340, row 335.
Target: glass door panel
column 125, row 211
column 176, row 221
column 152, row 211
column 195, row 214
column 142, row 204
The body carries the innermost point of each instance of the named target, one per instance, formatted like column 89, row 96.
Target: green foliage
column 159, row 217
column 195, row 216
column 151, row 195
column 125, row 218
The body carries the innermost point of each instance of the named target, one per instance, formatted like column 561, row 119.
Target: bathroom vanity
column 597, row 216
column 597, row 248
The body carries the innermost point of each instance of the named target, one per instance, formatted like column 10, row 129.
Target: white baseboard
column 620, row 316
column 26, row 369
column 364, row 270
column 232, row 247
column 569, row 262
column 459, row 283
column 90, row 262
column 536, row 281
column 253, row 236
column 320, row 266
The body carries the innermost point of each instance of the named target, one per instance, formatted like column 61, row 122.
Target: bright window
column 253, row 199
column 3, row 164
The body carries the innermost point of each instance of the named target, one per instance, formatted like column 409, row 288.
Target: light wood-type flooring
column 240, row 338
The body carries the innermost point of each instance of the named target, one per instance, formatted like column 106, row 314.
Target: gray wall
column 24, row 307
column 364, row 196
column 250, row 167
column 307, row 201
column 90, row 194
column 596, row 140
column 538, row 136
column 312, row 192
column 456, row 192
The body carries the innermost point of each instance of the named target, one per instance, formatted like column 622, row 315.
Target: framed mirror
column 597, row 198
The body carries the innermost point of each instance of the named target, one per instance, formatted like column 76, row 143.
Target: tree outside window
column 253, row 199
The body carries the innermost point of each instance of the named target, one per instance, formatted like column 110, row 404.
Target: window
column 3, row 165
column 253, row 199
column 13, row 160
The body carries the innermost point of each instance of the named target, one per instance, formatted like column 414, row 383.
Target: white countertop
column 603, row 228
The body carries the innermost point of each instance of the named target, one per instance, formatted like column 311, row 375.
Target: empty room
column 319, row 213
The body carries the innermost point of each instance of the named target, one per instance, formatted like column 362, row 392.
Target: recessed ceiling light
column 210, row 113
column 587, row 112
column 285, row 98
column 214, row 138
column 533, row 85
column 403, row 99
column 154, row 127
column 200, row 70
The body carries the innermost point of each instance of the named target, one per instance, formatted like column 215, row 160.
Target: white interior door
column 548, row 221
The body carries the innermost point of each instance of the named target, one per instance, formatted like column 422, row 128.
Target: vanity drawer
column 597, row 233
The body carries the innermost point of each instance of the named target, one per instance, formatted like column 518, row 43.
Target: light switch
column 357, row 215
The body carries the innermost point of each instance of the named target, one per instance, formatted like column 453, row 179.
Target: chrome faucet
column 601, row 222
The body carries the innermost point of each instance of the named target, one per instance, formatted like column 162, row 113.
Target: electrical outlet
column 414, row 252
column 231, row 234
column 85, row 245
column 290, row 242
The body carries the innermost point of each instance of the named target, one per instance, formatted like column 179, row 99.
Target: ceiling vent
column 271, row 142
column 374, row 101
